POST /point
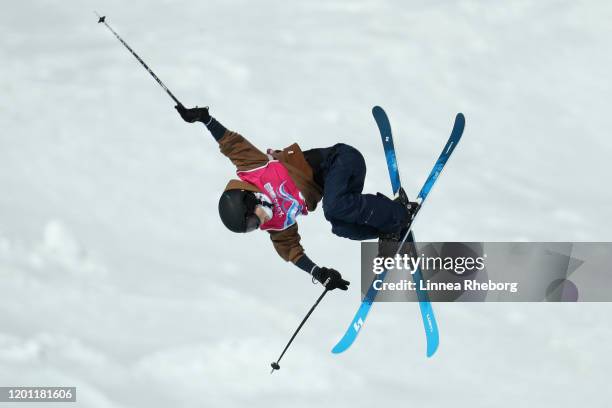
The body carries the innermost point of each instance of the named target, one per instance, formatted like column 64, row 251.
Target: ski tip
column 459, row 124
column 377, row 108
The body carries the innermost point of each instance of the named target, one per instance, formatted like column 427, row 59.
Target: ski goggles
column 251, row 223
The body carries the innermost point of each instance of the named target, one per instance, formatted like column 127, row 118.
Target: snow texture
column 117, row 277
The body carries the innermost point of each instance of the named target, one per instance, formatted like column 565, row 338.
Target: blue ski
column 427, row 314
column 384, row 127
column 429, row 322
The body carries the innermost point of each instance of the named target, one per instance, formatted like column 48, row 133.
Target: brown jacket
column 245, row 156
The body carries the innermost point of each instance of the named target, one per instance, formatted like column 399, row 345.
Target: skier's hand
column 194, row 114
column 330, row 278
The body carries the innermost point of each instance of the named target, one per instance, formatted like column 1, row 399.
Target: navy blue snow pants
column 352, row 214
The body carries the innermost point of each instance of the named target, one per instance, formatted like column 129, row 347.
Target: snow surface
column 117, row 277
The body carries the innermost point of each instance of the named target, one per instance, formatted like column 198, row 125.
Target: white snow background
column 117, row 277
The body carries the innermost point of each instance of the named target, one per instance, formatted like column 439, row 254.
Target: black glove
column 330, row 278
column 194, row 114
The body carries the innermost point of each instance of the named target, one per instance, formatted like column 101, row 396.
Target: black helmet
column 237, row 210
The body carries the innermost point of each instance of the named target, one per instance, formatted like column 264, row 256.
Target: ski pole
column 275, row 365
column 102, row 19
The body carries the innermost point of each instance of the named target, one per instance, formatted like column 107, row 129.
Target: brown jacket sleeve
column 241, row 152
column 287, row 243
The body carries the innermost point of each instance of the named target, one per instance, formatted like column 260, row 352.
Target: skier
column 276, row 187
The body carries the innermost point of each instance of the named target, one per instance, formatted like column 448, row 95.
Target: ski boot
column 411, row 206
column 387, row 242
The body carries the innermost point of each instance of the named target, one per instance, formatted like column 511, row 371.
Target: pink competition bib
column 274, row 181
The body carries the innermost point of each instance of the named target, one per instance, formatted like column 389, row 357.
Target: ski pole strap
column 306, row 264
column 312, row 273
